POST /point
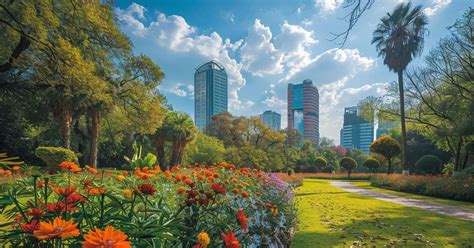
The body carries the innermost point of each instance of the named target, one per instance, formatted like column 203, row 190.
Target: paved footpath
column 462, row 213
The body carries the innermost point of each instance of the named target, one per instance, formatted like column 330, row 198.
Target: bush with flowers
column 217, row 206
column 456, row 188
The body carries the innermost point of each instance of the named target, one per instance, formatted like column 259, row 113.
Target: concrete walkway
column 462, row 213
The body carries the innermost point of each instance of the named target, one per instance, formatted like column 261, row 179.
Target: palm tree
column 398, row 39
column 183, row 132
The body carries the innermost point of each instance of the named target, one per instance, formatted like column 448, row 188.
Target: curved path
column 454, row 211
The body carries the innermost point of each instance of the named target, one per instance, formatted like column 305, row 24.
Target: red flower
column 242, row 219
column 36, row 213
column 230, row 241
column 217, row 187
column 75, row 198
column 30, row 227
column 87, row 183
column 59, row 207
column 147, row 189
column 65, row 191
column 70, row 166
column 189, row 182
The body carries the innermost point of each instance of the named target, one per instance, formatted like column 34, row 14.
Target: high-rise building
column 303, row 110
column 356, row 132
column 271, row 119
column 210, row 93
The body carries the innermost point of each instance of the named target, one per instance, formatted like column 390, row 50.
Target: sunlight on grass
column 329, row 217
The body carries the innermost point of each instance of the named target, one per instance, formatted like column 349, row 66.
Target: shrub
column 328, row 169
column 349, row 164
column 448, row 169
column 53, row 156
column 387, row 147
column 428, row 164
column 320, row 162
column 457, row 188
column 372, row 164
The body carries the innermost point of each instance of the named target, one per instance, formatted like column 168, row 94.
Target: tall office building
column 303, row 110
column 210, row 93
column 356, row 132
column 271, row 119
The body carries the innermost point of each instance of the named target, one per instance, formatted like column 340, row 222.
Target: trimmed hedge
column 428, row 164
column 53, row 156
column 455, row 188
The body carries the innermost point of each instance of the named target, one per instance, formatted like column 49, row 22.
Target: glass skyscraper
column 303, row 110
column 210, row 93
column 271, row 119
column 356, row 132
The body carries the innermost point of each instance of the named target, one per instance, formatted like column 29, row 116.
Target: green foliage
column 328, row 169
column 348, row 163
column 372, row 164
column 205, row 150
column 53, row 156
column 9, row 161
column 448, row 169
column 137, row 161
column 428, row 164
column 320, row 162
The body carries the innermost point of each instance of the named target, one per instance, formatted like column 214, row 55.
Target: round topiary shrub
column 53, row 156
column 349, row 164
column 320, row 162
column 428, row 164
column 372, row 164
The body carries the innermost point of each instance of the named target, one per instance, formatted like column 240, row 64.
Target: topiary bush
column 53, row 156
column 387, row 147
column 349, row 164
column 372, row 164
column 428, row 164
column 320, row 162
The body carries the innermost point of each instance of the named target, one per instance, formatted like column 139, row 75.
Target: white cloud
column 328, row 6
column 182, row 90
column 436, row 5
column 273, row 101
column 258, row 54
column 236, row 104
column 173, row 36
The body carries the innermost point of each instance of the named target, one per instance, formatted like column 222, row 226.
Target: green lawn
column 329, row 217
column 366, row 185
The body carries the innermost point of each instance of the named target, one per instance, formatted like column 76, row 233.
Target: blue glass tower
column 356, row 132
column 210, row 93
column 272, row 119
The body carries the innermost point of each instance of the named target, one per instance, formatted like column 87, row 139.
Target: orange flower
column 8, row 172
column 58, row 228
column 235, row 191
column 91, row 169
column 64, row 191
column 96, row 191
column 120, row 178
column 180, row 190
column 70, row 166
column 244, row 194
column 108, row 238
column 230, row 241
column 242, row 219
column 15, row 168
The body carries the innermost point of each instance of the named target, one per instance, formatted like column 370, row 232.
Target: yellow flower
column 127, row 193
column 120, row 178
column 203, row 239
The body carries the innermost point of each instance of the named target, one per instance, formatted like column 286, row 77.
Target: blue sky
column 264, row 45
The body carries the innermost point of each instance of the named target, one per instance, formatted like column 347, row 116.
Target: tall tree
column 183, row 132
column 398, row 39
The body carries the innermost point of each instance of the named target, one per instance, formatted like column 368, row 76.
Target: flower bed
column 339, row 176
column 456, row 188
column 198, row 207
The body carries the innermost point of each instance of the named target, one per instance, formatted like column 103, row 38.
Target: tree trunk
column 402, row 120
column 389, row 166
column 160, row 150
column 458, row 156
column 349, row 174
column 65, row 119
column 174, row 153
column 94, row 118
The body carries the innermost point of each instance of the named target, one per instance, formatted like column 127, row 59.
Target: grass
column 329, row 217
column 367, row 185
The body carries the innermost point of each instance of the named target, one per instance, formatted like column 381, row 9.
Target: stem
column 146, row 197
column 102, row 198
column 46, row 182
column 35, row 190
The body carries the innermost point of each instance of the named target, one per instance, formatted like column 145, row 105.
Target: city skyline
column 266, row 46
